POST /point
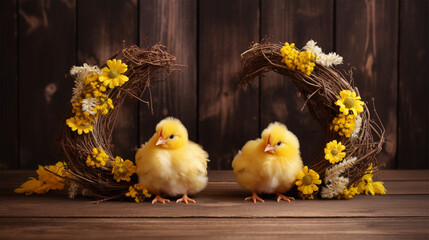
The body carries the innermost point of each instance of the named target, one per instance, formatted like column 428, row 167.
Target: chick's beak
column 269, row 148
column 161, row 141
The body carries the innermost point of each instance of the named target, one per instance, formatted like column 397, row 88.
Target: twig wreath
column 346, row 166
column 89, row 164
column 350, row 150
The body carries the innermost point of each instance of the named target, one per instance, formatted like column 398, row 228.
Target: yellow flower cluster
column 303, row 61
column 368, row 186
column 92, row 98
column 45, row 181
column 122, row 170
column 344, row 124
column 350, row 106
column 97, row 158
column 334, row 152
column 138, row 192
column 349, row 193
column 307, row 182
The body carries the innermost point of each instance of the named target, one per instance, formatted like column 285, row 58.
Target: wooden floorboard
column 217, row 205
column 208, row 228
column 220, row 212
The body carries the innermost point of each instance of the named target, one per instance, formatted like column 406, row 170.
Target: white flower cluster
column 327, row 60
column 334, row 183
column 88, row 104
column 80, row 73
column 358, row 124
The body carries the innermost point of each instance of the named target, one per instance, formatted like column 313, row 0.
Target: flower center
column 349, row 102
column 113, row 73
column 334, row 152
column 307, row 179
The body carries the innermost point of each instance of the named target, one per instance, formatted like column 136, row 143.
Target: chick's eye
column 279, row 143
column 171, row 136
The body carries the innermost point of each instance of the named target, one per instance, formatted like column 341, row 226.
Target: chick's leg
column 283, row 197
column 185, row 199
column 254, row 198
column 160, row 199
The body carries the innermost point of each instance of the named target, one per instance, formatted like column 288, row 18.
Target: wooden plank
column 46, row 53
column 101, row 29
column 8, row 85
column 174, row 24
column 298, row 22
column 413, row 139
column 228, row 113
column 207, row 228
column 223, row 182
column 403, row 175
column 226, row 203
column 366, row 43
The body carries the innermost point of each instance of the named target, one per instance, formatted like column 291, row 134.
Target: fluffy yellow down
column 176, row 167
column 273, row 171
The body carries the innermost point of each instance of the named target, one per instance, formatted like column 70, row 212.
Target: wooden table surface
column 220, row 212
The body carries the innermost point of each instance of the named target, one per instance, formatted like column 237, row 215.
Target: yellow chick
column 171, row 164
column 269, row 165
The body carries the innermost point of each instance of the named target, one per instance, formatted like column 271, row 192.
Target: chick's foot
column 284, row 198
column 160, row 199
column 254, row 198
column 185, row 199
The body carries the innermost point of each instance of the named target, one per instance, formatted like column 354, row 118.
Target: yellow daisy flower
column 122, row 170
column 307, row 181
column 112, row 74
column 75, row 123
column 349, row 102
column 334, row 152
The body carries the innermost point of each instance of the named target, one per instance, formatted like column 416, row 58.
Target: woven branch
column 144, row 65
column 320, row 90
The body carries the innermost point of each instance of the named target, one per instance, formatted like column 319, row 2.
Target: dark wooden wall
column 386, row 41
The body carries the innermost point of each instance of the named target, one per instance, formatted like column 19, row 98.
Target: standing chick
column 269, row 165
column 171, row 164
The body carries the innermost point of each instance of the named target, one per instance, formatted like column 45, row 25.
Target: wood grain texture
column 219, row 199
column 174, row 24
column 228, row 202
column 366, row 36
column 413, row 117
column 8, row 85
column 294, row 22
column 218, row 228
column 101, row 30
column 223, row 182
column 46, row 53
column 228, row 113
